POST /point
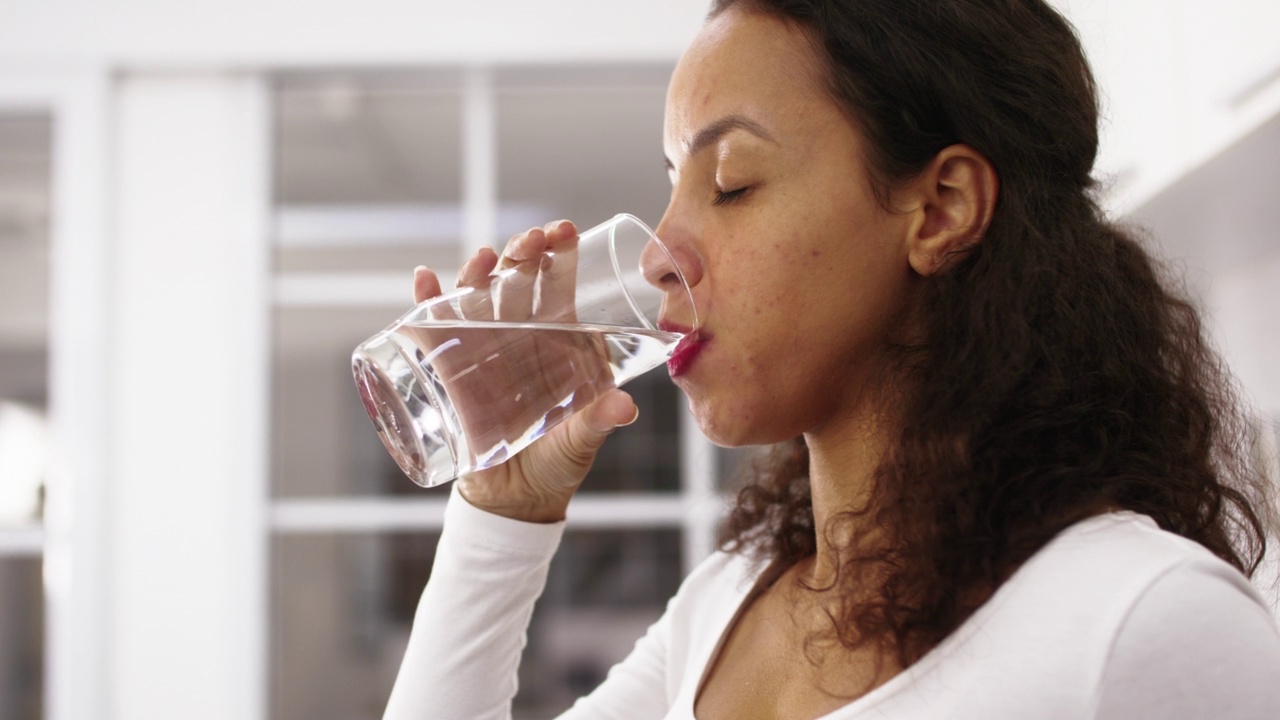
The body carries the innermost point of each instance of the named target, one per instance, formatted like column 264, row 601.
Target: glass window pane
column 605, row 588
column 342, row 607
column 583, row 143
column 734, row 465
column 22, row 627
column 644, row 456
column 368, row 172
column 25, row 151
column 322, row 441
column 24, row 311
column 340, row 613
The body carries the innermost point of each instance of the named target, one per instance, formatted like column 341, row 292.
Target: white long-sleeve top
column 1114, row 619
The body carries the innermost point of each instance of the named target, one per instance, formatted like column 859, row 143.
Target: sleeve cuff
column 465, row 523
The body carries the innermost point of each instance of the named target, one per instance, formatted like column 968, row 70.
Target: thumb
column 590, row 428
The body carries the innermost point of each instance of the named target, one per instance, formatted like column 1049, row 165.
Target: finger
column 559, row 232
column 523, row 247
column 587, row 430
column 477, row 267
column 557, row 284
column 425, row 284
column 513, row 292
column 475, row 275
column 486, row 260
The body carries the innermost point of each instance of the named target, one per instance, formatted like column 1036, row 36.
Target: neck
column 843, row 457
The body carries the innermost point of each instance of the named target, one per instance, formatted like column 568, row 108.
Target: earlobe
column 957, row 195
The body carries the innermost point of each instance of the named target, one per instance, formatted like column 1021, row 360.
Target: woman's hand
column 536, row 484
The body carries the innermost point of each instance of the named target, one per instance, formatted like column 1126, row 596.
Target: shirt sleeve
column 1199, row 644
column 470, row 626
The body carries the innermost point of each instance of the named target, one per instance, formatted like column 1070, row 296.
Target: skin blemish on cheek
column 816, row 253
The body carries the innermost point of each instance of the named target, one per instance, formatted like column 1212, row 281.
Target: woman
column 1014, row 484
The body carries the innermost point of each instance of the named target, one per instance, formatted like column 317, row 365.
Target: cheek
column 767, row 276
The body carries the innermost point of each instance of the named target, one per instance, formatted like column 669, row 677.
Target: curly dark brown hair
column 1060, row 372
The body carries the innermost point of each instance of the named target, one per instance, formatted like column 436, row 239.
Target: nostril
column 658, row 267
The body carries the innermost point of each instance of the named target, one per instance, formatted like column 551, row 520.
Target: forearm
column 469, row 631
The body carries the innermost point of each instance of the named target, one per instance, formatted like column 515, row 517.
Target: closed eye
column 724, row 197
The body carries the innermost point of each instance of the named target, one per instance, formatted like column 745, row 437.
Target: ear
column 952, row 201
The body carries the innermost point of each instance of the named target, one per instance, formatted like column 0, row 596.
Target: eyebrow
column 711, row 133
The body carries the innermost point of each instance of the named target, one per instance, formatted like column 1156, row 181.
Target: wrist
column 525, row 508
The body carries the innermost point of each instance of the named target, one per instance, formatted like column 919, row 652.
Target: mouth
column 689, row 347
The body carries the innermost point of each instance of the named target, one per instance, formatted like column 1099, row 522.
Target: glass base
column 406, row 408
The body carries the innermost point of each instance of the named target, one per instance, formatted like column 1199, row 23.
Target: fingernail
column 632, row 420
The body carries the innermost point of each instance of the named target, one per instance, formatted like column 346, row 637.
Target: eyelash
column 724, row 197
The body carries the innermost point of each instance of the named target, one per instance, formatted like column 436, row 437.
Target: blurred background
column 205, row 205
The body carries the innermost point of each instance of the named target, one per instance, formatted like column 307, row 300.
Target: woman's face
column 798, row 274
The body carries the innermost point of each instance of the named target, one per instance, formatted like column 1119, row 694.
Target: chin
column 731, row 428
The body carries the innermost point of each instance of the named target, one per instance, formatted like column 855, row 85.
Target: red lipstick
column 686, row 350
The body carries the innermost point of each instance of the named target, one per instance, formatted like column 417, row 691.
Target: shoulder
column 1111, row 603
column 1147, row 578
column 1074, row 602
column 1115, row 559
column 1197, row 642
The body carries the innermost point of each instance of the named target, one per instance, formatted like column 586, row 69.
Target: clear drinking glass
column 466, row 380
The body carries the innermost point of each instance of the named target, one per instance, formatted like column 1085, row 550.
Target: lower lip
column 683, row 356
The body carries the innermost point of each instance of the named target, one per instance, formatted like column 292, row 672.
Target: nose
column 659, row 268
column 664, row 262
column 679, row 260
